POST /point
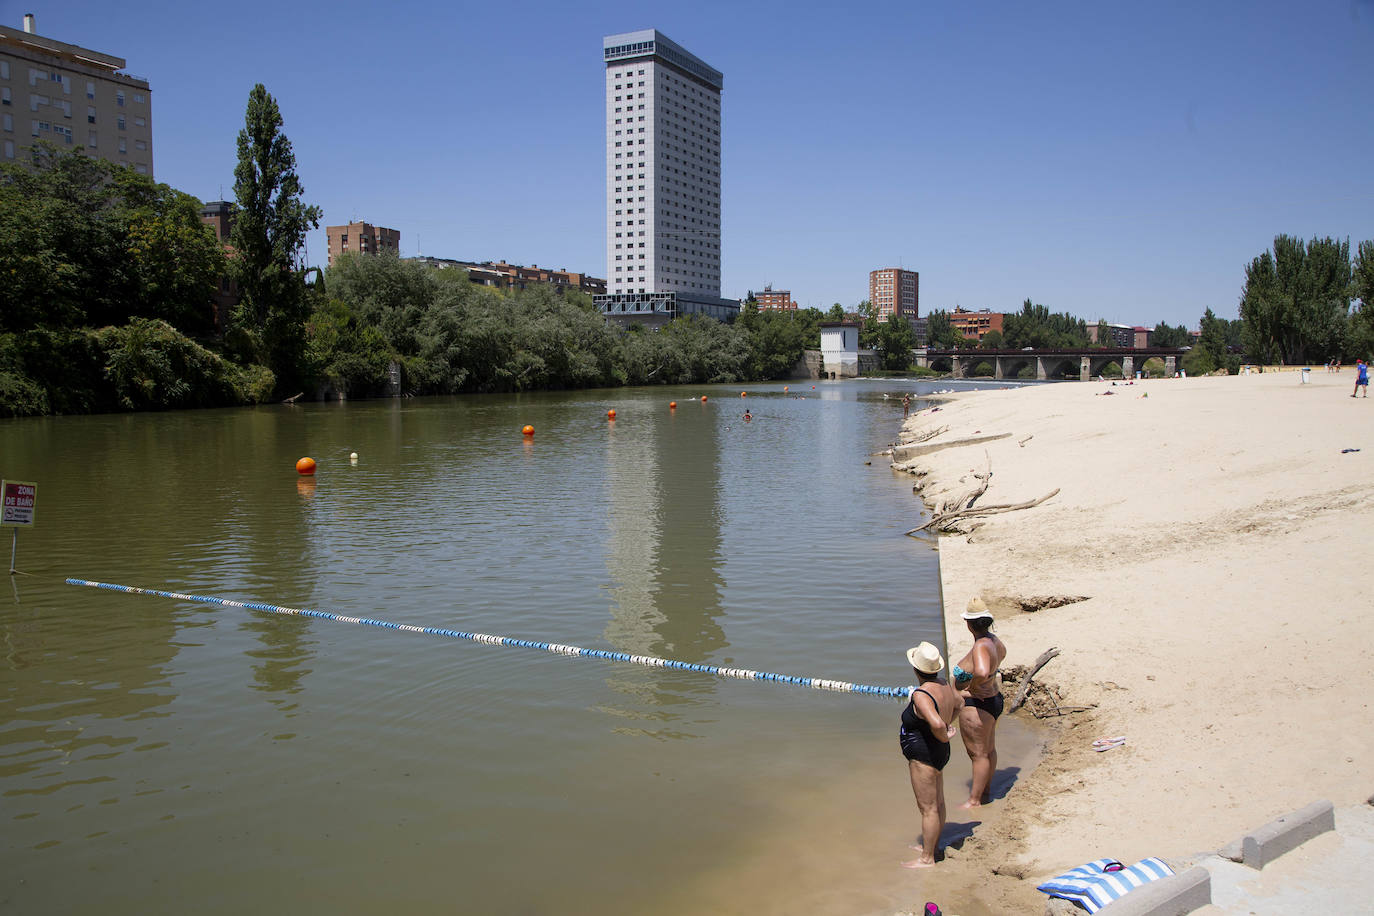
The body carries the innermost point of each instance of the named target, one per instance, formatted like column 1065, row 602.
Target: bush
column 51, row 372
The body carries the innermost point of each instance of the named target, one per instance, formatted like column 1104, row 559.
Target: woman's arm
column 924, row 705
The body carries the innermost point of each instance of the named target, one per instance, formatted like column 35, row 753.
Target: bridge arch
column 1011, row 366
column 1095, row 366
column 1058, row 365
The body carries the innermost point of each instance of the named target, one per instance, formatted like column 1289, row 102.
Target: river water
column 160, row 756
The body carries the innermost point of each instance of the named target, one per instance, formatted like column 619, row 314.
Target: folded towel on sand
column 1098, row 883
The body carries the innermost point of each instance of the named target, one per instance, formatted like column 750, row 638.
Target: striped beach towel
column 1092, row 886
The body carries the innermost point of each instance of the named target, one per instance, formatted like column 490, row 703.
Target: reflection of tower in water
column 664, row 554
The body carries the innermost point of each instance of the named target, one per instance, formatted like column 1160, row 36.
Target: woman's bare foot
column 918, row 863
column 971, row 803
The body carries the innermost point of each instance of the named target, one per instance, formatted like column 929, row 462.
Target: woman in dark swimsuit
column 976, row 678
column 924, row 737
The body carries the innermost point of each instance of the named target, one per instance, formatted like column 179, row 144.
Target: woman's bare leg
column 927, row 783
column 979, row 730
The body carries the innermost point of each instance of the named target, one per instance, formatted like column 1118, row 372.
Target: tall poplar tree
column 268, row 235
column 1296, row 301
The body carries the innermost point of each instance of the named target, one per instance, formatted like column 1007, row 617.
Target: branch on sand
column 1040, row 662
column 945, row 521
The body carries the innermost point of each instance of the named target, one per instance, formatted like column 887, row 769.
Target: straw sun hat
column 925, row 658
column 977, row 610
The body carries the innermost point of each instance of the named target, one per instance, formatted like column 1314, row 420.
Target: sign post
column 18, row 502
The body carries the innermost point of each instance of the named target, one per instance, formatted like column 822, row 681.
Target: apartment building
column 663, row 121
column 769, row 299
column 976, row 324
column 500, row 275
column 895, row 291
column 72, row 97
column 219, row 216
column 361, row 238
column 1118, row 335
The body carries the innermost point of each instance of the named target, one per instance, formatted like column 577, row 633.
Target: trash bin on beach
column 1305, row 371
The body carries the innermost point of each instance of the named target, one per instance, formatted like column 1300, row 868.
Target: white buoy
column 353, row 457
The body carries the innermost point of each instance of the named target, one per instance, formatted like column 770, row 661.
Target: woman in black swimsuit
column 924, row 737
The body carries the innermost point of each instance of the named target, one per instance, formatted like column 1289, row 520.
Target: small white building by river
column 840, row 349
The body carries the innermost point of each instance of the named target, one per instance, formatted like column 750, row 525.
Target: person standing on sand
column 1361, row 377
column 980, row 686
column 925, row 735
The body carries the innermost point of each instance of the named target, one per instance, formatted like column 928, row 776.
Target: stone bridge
column 1090, row 361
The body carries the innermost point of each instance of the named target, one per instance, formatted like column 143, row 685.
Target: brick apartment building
column 895, row 291
column 975, row 324
column 1120, row 335
column 361, row 238
column 219, row 216
column 769, row 299
column 72, row 97
column 500, row 275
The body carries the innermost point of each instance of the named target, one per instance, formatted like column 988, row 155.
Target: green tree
column 384, row 291
column 172, row 260
column 992, row 340
column 1168, row 336
column 61, row 250
column 896, row 337
column 268, row 235
column 868, row 324
column 1035, row 326
column 940, row 334
column 836, row 313
column 1359, row 340
column 1296, row 301
column 1212, row 342
column 1104, row 334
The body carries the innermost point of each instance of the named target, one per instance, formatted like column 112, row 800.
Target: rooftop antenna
column 418, row 252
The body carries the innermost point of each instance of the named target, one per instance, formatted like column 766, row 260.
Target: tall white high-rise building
column 662, row 181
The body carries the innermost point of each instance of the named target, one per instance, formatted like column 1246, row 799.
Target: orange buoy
column 703, row 399
column 672, row 405
column 610, row 414
column 528, row 430
column 785, row 388
column 305, row 466
column 744, row 394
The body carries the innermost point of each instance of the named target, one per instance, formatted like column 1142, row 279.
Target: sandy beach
column 1218, row 536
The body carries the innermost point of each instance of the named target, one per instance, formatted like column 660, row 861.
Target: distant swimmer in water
column 980, row 686
column 924, row 738
column 748, row 417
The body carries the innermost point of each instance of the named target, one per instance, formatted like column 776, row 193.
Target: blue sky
column 1114, row 160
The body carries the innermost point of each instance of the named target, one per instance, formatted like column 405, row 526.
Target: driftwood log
column 1026, row 681
column 943, row 520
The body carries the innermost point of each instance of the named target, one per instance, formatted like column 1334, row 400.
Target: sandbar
column 1219, row 534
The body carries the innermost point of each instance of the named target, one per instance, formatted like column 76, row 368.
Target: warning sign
column 20, row 498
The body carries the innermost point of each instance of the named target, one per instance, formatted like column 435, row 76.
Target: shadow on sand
column 953, row 836
column 1002, row 782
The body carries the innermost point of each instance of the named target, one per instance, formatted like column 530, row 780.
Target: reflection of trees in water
column 664, row 554
column 76, row 672
column 285, row 649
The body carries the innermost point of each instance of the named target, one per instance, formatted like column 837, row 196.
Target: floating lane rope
column 554, row 648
